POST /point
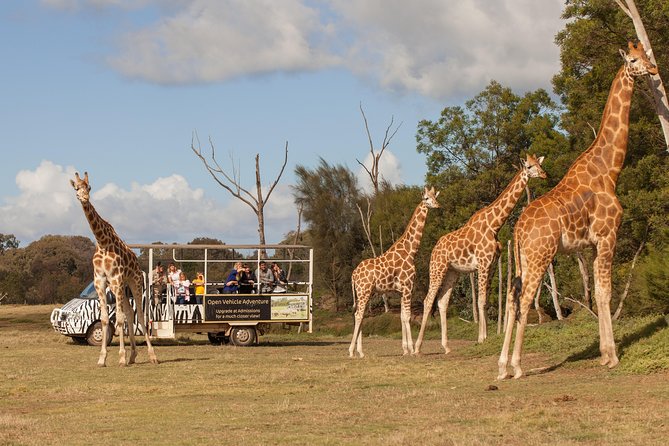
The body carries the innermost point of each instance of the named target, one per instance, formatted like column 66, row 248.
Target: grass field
column 303, row 389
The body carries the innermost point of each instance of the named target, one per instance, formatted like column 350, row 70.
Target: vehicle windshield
column 89, row 292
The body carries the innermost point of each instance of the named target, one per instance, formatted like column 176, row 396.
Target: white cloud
column 214, row 41
column 431, row 47
column 167, row 210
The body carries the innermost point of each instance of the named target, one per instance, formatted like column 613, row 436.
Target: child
column 181, row 287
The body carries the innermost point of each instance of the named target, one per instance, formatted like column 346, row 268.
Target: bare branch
column 278, row 177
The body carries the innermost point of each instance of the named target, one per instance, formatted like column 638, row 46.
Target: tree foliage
column 328, row 195
column 52, row 269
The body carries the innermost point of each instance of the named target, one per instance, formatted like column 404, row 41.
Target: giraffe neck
column 104, row 233
column 610, row 146
column 499, row 210
column 410, row 239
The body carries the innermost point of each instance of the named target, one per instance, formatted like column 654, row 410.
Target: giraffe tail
column 353, row 292
column 517, row 283
column 516, row 291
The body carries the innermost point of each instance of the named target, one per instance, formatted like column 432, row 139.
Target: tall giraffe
column 473, row 247
column 393, row 270
column 116, row 266
column 581, row 210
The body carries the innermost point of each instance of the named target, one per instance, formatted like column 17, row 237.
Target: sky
column 120, row 89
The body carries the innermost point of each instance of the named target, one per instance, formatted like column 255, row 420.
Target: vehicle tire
column 218, row 338
column 94, row 334
column 243, row 336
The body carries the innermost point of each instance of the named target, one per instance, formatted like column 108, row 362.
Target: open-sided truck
column 240, row 317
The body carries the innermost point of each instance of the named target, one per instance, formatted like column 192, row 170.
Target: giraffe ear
column 437, row 194
column 623, row 54
column 540, row 159
column 73, row 185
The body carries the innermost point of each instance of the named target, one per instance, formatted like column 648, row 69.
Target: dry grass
column 303, row 389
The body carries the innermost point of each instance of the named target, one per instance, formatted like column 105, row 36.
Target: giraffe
column 581, row 210
column 393, row 270
column 473, row 247
column 116, row 266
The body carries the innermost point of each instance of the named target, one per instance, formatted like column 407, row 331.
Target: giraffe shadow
column 592, row 350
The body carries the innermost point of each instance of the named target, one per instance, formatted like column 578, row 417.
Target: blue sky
column 117, row 88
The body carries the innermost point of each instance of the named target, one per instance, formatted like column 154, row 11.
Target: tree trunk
column 657, row 87
column 554, row 292
column 585, row 276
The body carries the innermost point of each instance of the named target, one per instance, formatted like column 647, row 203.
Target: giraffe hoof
column 613, row 362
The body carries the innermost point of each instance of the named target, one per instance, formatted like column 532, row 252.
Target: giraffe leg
column 436, row 277
column 602, row 273
column 508, row 333
column 442, row 304
column 117, row 289
column 130, row 318
column 363, row 298
column 530, row 284
column 405, row 315
column 484, row 277
column 101, row 286
column 136, row 291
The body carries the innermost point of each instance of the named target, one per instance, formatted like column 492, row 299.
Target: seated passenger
column 182, row 289
column 265, row 278
column 247, row 280
column 280, row 281
column 232, row 281
column 198, row 283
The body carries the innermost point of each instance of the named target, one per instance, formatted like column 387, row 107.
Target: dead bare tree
column 232, row 183
column 373, row 171
column 2, row 296
column 656, row 85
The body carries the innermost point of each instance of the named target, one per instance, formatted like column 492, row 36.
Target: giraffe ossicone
column 115, row 266
column 394, row 270
column 581, row 211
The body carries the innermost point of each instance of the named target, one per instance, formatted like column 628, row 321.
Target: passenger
column 182, row 289
column 247, row 280
column 280, row 281
column 232, row 282
column 265, row 278
column 172, row 273
column 159, row 283
column 198, row 283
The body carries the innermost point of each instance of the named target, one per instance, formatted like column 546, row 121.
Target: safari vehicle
column 236, row 318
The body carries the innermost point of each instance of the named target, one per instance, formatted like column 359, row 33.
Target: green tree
column 8, row 241
column 328, row 195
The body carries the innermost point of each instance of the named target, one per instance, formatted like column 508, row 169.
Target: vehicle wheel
column 243, row 336
column 94, row 335
column 218, row 338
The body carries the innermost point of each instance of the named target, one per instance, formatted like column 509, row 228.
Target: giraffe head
column 430, row 198
column 81, row 186
column 532, row 165
column 637, row 61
